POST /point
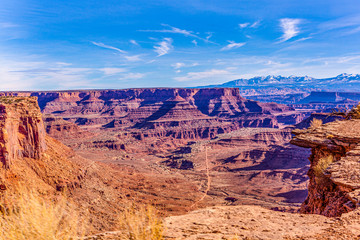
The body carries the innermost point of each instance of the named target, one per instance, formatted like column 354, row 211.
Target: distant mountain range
column 293, row 84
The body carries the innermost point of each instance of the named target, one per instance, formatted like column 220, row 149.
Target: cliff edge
column 334, row 186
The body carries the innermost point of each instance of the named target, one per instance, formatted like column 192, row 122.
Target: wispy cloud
column 132, row 76
column 8, row 25
column 194, row 42
column 255, row 24
column 133, row 58
column 191, row 76
column 132, row 41
column 232, row 45
column 176, row 30
column 244, row 25
column 289, row 27
column 179, row 65
column 344, row 22
column 99, row 44
column 113, row 71
column 250, row 25
column 163, row 47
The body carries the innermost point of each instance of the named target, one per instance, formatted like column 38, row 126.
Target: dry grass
column 323, row 164
column 141, row 223
column 315, row 123
column 354, row 113
column 28, row 216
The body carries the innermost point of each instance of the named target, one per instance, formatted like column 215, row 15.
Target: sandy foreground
column 254, row 222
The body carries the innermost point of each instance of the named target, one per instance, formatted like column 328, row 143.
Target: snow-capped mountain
column 342, row 82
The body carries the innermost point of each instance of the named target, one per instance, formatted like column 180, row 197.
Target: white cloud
column 8, row 25
column 23, row 76
column 112, row 71
column 133, row 58
column 134, row 42
column 176, row 30
column 345, row 22
column 194, row 42
column 132, row 76
column 255, row 24
column 243, row 25
column 178, row 65
column 99, row 44
column 63, row 64
column 208, row 36
column 247, row 24
column 164, row 47
column 201, row 75
column 289, row 27
column 232, row 45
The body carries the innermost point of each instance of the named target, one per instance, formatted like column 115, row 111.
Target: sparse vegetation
column 323, row 164
column 347, row 114
column 330, row 136
column 315, row 123
column 141, row 223
column 28, row 216
column 354, row 113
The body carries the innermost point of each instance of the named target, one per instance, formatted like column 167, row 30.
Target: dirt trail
column 208, row 180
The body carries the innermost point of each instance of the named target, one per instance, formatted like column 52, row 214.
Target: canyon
column 185, row 151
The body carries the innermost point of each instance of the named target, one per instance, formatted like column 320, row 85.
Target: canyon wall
column 180, row 113
column 22, row 131
column 334, row 173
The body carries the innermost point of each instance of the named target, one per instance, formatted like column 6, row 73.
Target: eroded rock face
column 59, row 128
column 152, row 107
column 22, row 130
column 334, row 184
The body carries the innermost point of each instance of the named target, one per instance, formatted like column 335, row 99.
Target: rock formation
column 60, row 128
column 183, row 113
column 334, row 173
column 324, row 117
column 22, row 132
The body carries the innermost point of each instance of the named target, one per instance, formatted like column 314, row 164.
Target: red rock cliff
column 22, row 131
column 334, row 186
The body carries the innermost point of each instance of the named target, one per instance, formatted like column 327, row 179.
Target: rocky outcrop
column 22, row 132
column 324, row 117
column 27, row 154
column 334, row 173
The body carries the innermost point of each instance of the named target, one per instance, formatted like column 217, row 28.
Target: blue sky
column 49, row 44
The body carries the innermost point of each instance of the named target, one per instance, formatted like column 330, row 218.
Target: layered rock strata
column 182, row 113
column 22, row 132
column 334, row 186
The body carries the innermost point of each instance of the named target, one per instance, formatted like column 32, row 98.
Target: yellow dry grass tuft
column 28, row 216
column 315, row 123
column 323, row 164
column 141, row 223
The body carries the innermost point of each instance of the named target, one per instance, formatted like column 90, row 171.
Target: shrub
column 354, row 113
column 323, row 164
column 28, row 216
column 315, row 123
column 141, row 223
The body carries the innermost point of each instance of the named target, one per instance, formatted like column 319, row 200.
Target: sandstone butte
column 30, row 157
